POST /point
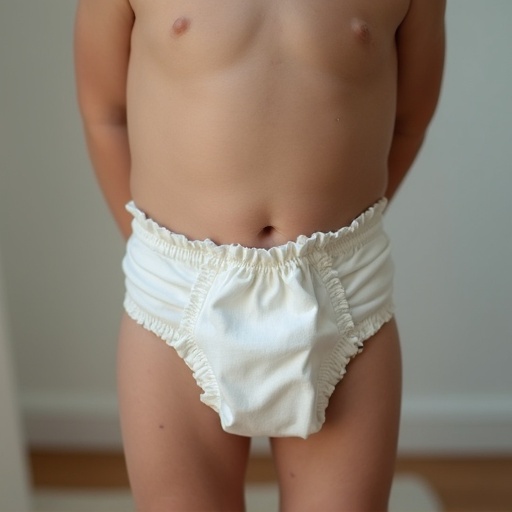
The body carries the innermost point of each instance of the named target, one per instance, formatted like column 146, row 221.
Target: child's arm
column 420, row 49
column 102, row 49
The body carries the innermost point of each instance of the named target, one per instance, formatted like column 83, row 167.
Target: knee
column 369, row 502
column 191, row 502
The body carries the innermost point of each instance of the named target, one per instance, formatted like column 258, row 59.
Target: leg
column 178, row 456
column 348, row 465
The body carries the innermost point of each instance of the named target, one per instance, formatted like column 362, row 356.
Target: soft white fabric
column 268, row 333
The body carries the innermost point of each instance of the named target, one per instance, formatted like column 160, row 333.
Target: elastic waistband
column 360, row 231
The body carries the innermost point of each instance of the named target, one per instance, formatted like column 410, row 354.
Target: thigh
column 349, row 464
column 177, row 454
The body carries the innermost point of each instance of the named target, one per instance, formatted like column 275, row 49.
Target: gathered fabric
column 267, row 333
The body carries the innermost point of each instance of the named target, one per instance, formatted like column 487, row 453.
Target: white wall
column 453, row 239
column 450, row 224
column 14, row 481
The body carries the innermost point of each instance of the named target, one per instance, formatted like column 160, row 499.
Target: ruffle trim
column 160, row 237
column 186, row 348
column 360, row 230
column 173, row 244
column 351, row 337
column 348, row 346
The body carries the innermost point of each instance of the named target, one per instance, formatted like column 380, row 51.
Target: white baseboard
column 451, row 425
column 62, row 420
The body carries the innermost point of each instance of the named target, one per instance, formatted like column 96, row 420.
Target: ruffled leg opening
column 186, row 348
column 349, row 346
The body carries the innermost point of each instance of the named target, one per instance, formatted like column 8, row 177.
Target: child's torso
column 255, row 121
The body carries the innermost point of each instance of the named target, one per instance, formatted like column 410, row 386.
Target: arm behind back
column 421, row 51
column 102, row 50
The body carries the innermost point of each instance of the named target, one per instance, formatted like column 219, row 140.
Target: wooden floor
column 463, row 484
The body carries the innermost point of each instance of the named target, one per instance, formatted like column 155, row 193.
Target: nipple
column 361, row 30
column 180, row 25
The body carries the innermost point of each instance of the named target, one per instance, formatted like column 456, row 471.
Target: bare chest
column 189, row 36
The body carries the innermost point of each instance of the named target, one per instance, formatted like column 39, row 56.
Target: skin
column 253, row 122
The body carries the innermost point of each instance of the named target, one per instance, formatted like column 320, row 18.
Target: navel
column 267, row 237
column 361, row 30
column 267, row 231
column 180, row 25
